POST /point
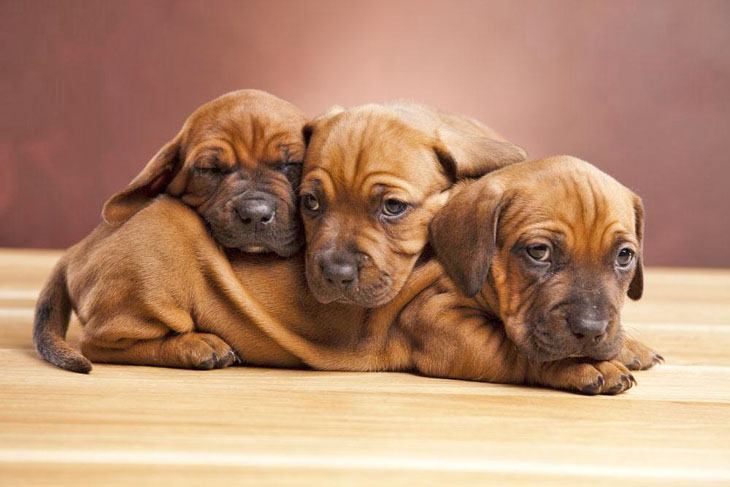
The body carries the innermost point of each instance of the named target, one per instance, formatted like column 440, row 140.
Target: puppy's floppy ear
column 636, row 287
column 474, row 148
column 153, row 179
column 309, row 127
column 464, row 233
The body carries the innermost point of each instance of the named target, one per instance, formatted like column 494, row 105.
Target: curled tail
column 52, row 314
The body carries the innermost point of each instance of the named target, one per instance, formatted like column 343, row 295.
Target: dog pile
column 379, row 237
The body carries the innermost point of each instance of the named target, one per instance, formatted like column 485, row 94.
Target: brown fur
column 237, row 163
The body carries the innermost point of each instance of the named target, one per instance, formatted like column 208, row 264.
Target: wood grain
column 145, row 425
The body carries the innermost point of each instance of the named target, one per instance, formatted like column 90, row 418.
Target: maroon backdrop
column 89, row 90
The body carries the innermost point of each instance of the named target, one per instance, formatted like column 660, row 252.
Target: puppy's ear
column 309, row 127
column 464, row 234
column 153, row 179
column 636, row 287
column 474, row 148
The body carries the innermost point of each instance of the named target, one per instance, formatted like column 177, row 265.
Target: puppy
column 236, row 163
column 540, row 255
column 374, row 177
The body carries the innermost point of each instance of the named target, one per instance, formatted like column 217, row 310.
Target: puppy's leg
column 128, row 340
column 637, row 356
column 583, row 376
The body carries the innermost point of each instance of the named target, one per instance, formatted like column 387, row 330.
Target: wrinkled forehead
column 581, row 209
column 248, row 129
column 371, row 146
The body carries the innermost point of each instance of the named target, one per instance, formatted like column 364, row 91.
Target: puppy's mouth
column 256, row 249
column 543, row 346
column 365, row 295
column 282, row 240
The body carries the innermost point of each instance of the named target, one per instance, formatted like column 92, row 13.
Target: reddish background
column 89, row 90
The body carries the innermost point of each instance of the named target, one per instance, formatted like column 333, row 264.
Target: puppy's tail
column 52, row 314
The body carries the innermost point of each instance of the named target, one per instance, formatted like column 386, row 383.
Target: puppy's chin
column 362, row 296
column 540, row 346
column 282, row 240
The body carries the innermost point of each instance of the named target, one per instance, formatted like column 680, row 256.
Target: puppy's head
column 237, row 161
column 373, row 178
column 552, row 246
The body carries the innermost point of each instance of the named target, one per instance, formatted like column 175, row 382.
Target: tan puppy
column 237, row 163
column 374, row 177
column 541, row 255
column 158, row 291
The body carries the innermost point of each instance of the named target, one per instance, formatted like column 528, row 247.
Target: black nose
column 256, row 211
column 341, row 272
column 589, row 330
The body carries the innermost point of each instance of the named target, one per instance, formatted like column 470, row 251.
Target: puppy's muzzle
column 256, row 211
column 339, row 269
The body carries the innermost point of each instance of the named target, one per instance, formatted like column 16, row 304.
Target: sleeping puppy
column 540, row 255
column 375, row 176
column 237, row 164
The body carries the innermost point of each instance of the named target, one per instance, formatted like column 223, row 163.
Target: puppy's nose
column 339, row 272
column 256, row 211
column 589, row 330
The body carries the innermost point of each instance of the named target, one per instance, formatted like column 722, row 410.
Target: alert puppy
column 159, row 291
column 540, row 256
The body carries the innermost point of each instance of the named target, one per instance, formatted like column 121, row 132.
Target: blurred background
column 89, row 90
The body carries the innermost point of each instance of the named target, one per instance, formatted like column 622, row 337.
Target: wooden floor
column 131, row 425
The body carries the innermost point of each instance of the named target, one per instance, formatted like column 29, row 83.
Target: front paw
column 207, row 351
column 637, row 356
column 586, row 377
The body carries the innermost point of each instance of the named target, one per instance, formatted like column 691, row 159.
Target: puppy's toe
column 206, row 351
column 221, row 354
column 572, row 375
column 617, row 377
column 637, row 356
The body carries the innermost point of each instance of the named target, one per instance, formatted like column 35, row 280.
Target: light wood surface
column 138, row 425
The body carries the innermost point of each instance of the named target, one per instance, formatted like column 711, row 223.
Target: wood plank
column 668, row 427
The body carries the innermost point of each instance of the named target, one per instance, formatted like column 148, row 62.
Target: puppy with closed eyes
column 236, row 163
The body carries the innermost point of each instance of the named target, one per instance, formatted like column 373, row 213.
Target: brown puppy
column 374, row 177
column 237, row 163
column 541, row 255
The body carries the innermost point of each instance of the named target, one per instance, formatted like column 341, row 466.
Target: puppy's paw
column 206, row 351
column 637, row 356
column 587, row 377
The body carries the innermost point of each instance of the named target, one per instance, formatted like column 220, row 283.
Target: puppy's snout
column 588, row 330
column 256, row 211
column 339, row 270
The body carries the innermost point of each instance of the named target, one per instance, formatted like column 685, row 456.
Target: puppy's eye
column 625, row 257
column 539, row 252
column 393, row 207
column 310, row 202
column 209, row 171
